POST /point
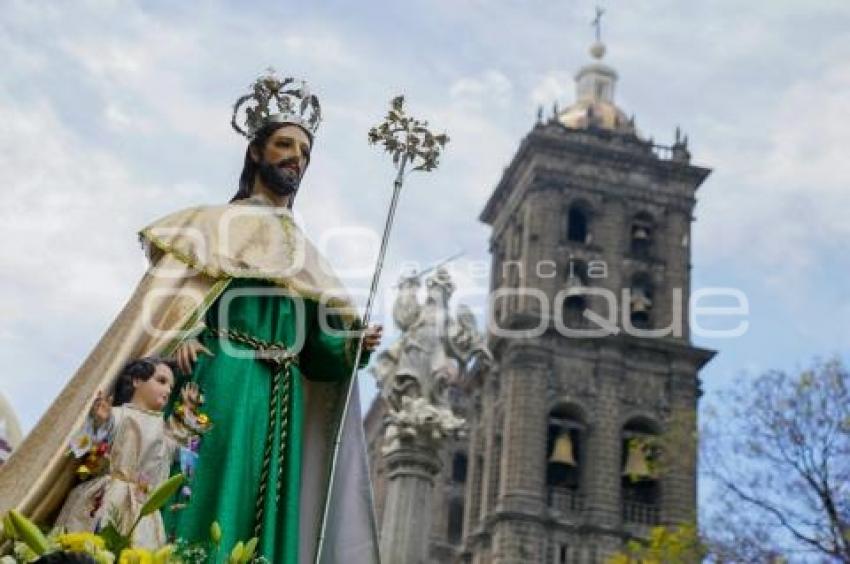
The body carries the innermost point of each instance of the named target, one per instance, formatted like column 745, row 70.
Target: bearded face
column 279, row 177
column 284, row 158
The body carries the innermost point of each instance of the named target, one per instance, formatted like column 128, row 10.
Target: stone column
column 679, row 478
column 475, row 460
column 519, row 532
column 411, row 469
column 676, row 255
column 602, row 480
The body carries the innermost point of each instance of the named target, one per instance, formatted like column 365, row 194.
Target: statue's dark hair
column 249, row 169
column 141, row 369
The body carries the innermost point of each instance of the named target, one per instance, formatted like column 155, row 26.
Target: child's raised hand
column 102, row 408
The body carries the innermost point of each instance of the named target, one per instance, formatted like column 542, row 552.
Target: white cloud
column 552, row 87
column 789, row 202
column 115, row 114
column 70, row 255
column 490, row 87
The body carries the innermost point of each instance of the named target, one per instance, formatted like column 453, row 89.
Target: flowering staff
column 412, row 147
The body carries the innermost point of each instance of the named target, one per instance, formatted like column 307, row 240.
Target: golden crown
column 275, row 100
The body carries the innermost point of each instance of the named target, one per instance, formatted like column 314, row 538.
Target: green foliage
column 28, row 533
column 109, row 542
column 215, row 533
column 236, row 553
column 160, row 496
column 249, row 550
column 666, row 545
column 115, row 541
column 157, row 499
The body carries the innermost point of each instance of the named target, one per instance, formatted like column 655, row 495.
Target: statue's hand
column 187, row 354
column 372, row 337
column 101, row 409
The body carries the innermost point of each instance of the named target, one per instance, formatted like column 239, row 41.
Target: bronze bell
column 574, row 282
column 640, row 233
column 640, row 302
column 637, row 466
column 563, row 451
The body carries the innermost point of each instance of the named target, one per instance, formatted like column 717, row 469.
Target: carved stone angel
column 433, row 352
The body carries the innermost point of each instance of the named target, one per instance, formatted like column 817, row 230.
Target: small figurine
column 126, row 449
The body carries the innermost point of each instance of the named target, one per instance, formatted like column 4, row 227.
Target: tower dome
column 594, row 105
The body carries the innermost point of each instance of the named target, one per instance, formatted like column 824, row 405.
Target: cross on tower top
column 597, row 23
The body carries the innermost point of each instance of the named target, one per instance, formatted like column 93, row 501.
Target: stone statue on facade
column 435, row 351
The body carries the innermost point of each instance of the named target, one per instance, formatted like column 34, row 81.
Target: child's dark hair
column 141, row 369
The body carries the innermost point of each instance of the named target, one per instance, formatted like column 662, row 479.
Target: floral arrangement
column 109, row 546
column 90, row 446
column 190, row 416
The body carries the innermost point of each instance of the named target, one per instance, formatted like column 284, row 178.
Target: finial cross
column 597, row 23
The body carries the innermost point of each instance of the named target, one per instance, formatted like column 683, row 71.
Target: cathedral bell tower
column 570, row 443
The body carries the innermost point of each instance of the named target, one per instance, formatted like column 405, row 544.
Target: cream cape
column 194, row 254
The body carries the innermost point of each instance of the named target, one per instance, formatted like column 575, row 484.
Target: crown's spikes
column 258, row 109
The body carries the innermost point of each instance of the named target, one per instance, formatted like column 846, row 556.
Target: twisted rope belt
column 281, row 360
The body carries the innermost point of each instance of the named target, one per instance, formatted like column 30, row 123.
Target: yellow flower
column 135, row 556
column 81, row 542
column 83, row 472
column 215, row 533
column 162, row 555
column 104, row 557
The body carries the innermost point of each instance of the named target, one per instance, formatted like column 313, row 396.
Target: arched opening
column 578, row 223
column 564, row 458
column 516, row 241
column 459, row 468
column 641, row 236
column 639, row 469
column 563, row 553
column 495, row 478
column 575, row 302
column 455, row 521
column 641, row 300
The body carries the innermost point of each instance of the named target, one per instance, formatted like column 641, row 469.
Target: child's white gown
column 143, row 446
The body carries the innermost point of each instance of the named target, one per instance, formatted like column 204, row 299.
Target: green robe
column 194, row 254
column 237, row 389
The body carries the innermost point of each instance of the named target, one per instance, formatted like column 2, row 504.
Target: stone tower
column 582, row 437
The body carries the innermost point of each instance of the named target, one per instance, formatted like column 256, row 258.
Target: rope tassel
column 281, row 360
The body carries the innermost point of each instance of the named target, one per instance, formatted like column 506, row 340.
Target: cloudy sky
column 116, row 112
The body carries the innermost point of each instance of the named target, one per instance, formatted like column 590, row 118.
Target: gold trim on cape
column 189, row 270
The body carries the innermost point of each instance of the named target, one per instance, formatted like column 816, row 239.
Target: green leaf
column 215, row 533
column 29, row 534
column 248, row 551
column 236, row 553
column 113, row 539
column 160, row 496
column 9, row 528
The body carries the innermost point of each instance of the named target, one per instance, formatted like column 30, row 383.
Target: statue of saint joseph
column 252, row 313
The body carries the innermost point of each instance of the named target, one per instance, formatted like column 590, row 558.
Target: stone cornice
column 627, row 156
column 679, row 352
